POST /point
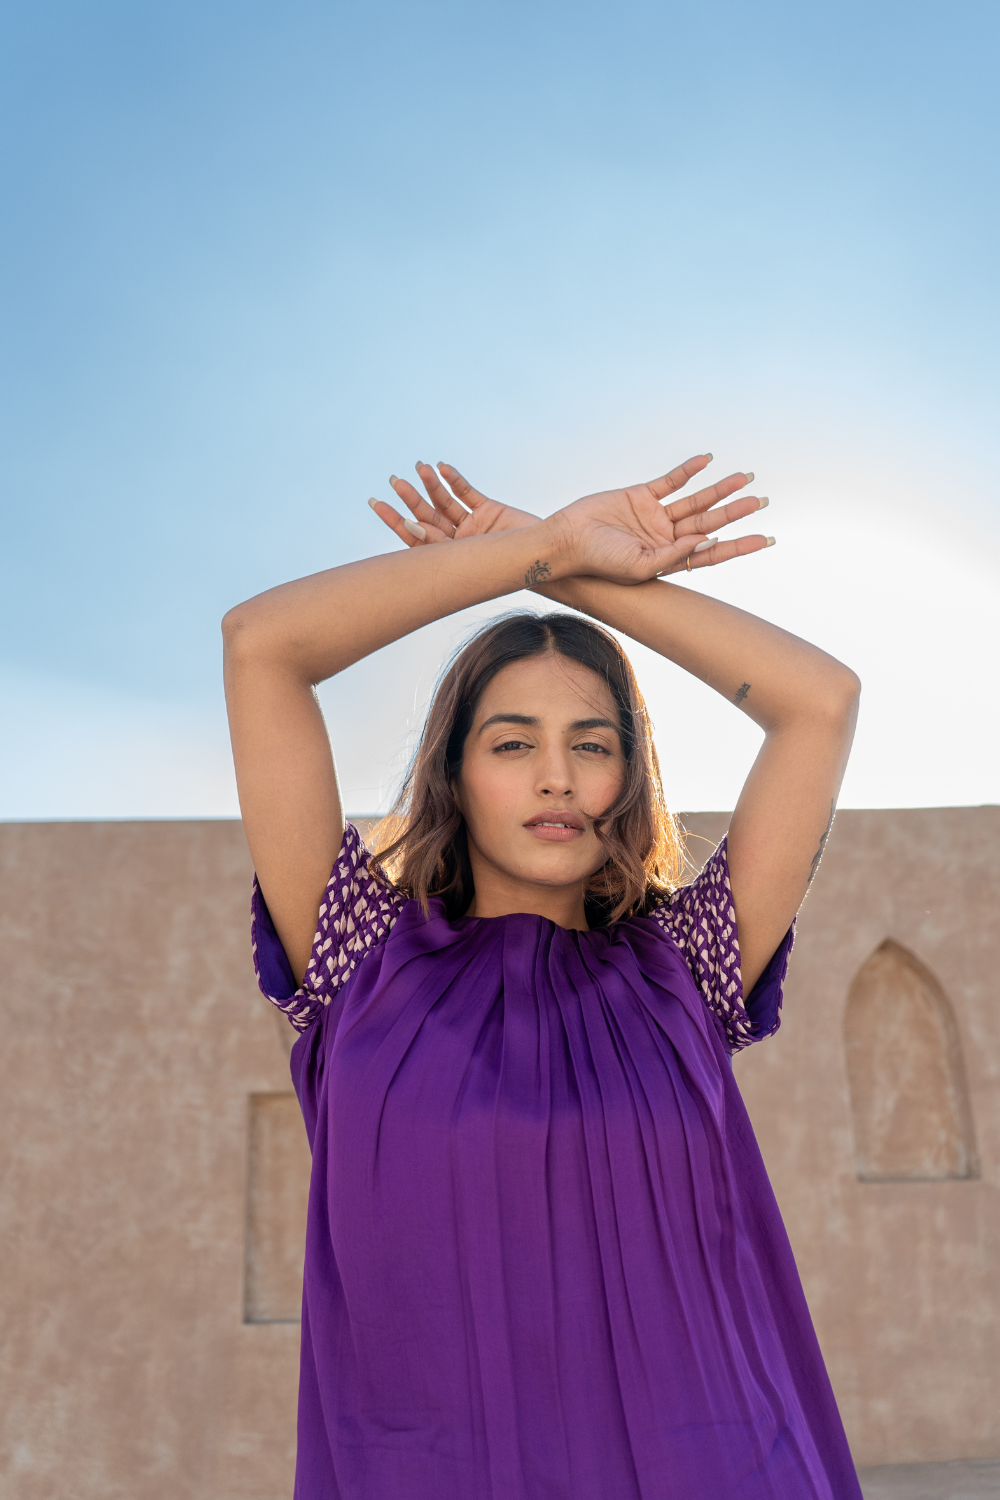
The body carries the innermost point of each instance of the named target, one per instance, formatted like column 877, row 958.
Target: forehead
column 547, row 687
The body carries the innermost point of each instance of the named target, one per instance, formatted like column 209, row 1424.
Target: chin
column 556, row 871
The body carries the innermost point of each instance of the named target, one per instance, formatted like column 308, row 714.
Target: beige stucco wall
column 903, row 1278
column 133, row 1037
column 152, row 1172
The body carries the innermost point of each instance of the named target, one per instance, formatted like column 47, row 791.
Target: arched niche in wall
column 912, row 1120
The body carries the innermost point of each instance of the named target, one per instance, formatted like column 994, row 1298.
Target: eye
column 510, row 745
column 593, row 745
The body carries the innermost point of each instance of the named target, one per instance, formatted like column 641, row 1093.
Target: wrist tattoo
column 537, row 573
column 741, row 693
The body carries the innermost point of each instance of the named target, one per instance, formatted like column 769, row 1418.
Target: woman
column 542, row 1257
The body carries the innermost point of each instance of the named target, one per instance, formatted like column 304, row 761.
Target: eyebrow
column 532, row 722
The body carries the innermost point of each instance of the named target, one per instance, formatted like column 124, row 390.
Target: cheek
column 600, row 788
column 489, row 791
column 486, row 792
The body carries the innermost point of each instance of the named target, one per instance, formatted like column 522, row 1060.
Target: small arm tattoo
column 822, row 845
column 537, row 573
column 741, row 693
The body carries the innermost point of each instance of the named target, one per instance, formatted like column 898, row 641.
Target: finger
column 676, row 553
column 442, row 499
column 396, row 524
column 463, row 489
column 709, row 521
column 427, row 515
column 692, row 505
column 668, row 484
column 721, row 552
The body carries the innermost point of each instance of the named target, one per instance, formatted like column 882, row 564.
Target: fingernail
column 373, row 502
column 709, row 541
column 709, row 456
column 749, row 475
column 393, row 480
column 419, row 531
column 418, row 465
column 770, row 541
column 762, row 502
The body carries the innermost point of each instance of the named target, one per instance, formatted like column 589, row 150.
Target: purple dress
column 543, row 1259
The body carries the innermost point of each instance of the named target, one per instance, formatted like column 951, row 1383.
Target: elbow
column 230, row 623
column 253, row 641
column 850, row 689
column 237, row 633
column 841, row 695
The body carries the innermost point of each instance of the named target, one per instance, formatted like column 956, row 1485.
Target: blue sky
column 255, row 258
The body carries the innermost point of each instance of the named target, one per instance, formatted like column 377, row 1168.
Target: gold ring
column 688, row 562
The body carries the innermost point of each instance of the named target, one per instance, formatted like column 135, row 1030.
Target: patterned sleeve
column 702, row 922
column 355, row 915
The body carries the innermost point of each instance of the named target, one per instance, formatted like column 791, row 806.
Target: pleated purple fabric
column 543, row 1259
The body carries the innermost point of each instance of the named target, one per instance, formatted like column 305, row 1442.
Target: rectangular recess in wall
column 279, row 1165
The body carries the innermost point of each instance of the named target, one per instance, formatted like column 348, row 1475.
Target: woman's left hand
column 459, row 510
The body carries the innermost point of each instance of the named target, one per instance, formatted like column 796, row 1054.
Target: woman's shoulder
column 358, row 911
column 702, row 904
column 359, row 905
column 700, row 918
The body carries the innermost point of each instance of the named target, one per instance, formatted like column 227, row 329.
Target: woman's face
column 542, row 760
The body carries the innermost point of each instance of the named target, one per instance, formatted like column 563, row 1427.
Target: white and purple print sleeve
column 356, row 914
column 701, row 919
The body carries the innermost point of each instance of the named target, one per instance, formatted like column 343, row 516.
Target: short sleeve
column 356, row 914
column 701, row 919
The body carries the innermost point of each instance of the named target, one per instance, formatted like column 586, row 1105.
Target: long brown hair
column 421, row 846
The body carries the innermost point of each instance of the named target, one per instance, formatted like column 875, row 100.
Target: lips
column 555, row 824
column 559, row 818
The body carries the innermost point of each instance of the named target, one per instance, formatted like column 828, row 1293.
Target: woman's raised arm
column 279, row 645
column 805, row 701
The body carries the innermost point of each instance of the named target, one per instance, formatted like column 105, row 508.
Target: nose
column 555, row 773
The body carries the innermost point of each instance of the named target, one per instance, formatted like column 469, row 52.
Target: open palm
column 627, row 534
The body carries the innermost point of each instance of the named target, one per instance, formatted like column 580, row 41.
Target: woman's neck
column 501, row 895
